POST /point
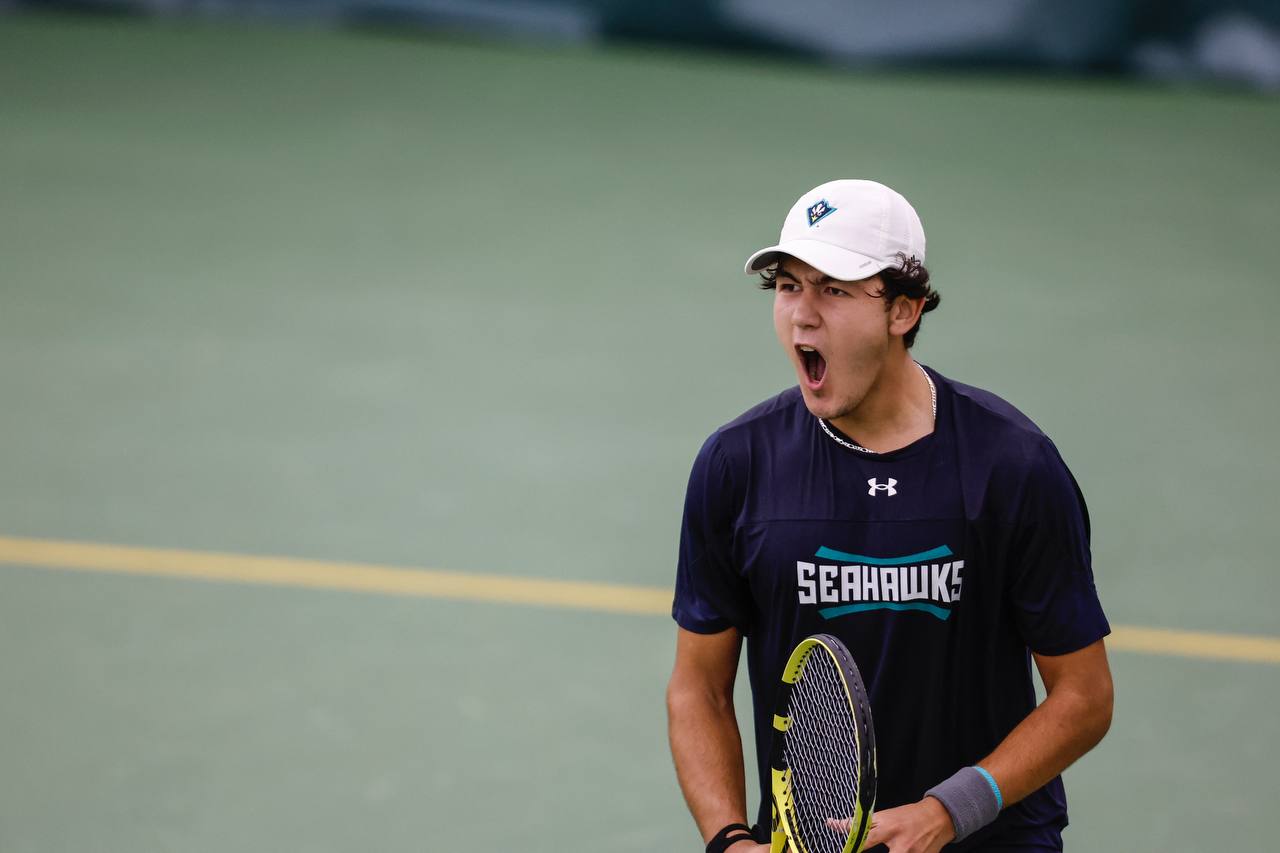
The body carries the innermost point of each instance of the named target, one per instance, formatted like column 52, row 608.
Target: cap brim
column 830, row 260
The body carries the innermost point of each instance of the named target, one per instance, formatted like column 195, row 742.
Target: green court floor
column 473, row 307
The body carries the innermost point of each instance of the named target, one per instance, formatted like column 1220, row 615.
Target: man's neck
column 895, row 412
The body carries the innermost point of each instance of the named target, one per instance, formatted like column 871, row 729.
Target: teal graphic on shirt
column 929, row 582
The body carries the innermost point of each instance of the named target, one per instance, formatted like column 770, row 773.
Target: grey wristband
column 971, row 797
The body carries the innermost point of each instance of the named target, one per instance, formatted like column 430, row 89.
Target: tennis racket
column 823, row 756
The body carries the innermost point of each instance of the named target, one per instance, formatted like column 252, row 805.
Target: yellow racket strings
column 822, row 755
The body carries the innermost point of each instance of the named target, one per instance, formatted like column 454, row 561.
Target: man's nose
column 805, row 314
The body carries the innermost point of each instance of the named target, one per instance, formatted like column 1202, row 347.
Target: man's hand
column 922, row 827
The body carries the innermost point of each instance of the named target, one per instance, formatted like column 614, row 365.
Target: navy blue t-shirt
column 941, row 565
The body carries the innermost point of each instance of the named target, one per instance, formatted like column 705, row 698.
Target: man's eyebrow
column 822, row 279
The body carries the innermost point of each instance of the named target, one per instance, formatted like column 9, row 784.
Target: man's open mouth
column 815, row 366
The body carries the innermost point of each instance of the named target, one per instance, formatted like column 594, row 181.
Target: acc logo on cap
column 819, row 210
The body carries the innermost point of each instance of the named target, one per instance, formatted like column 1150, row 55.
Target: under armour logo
column 882, row 487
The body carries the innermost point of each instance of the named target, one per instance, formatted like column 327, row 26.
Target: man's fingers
column 838, row 824
column 875, row 835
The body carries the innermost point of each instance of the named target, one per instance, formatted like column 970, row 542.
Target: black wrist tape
column 731, row 834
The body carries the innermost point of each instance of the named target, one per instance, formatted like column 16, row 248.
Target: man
column 942, row 511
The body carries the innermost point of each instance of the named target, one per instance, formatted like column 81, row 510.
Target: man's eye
column 835, row 291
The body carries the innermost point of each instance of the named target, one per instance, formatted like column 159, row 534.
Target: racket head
column 823, row 755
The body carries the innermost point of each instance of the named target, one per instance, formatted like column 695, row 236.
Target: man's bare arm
column 1074, row 716
column 705, row 741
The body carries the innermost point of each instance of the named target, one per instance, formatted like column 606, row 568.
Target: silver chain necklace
column 933, row 401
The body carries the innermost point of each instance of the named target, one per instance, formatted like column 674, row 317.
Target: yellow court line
column 1195, row 644
column 319, row 574
column 503, row 589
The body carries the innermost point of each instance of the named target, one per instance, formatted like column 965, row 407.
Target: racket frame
column 784, row 829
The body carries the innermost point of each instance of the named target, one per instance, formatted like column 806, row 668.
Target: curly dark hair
column 909, row 278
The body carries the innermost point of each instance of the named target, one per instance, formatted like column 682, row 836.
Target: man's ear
column 904, row 313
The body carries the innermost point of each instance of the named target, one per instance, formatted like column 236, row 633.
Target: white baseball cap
column 847, row 229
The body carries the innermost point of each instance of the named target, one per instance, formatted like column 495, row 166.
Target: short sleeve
column 711, row 595
column 1052, row 591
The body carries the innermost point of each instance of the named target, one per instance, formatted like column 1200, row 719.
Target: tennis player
column 928, row 524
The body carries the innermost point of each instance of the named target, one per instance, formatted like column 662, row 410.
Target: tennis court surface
column 418, row 337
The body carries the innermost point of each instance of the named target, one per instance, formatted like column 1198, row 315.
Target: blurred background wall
column 1233, row 41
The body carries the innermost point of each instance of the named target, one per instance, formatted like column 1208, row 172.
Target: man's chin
column 821, row 404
